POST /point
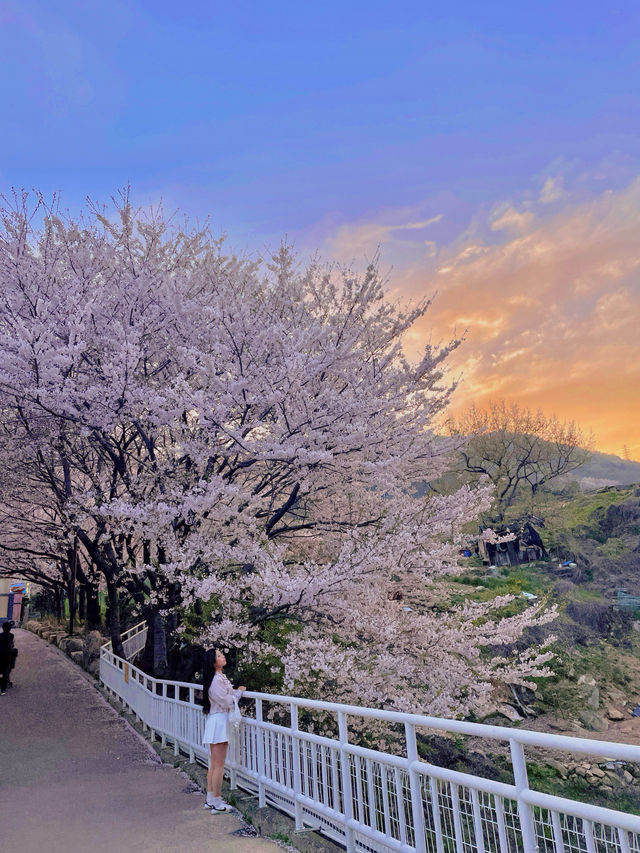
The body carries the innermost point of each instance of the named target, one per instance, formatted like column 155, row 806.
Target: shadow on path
column 75, row 777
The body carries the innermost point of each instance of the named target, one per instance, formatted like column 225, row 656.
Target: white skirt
column 215, row 728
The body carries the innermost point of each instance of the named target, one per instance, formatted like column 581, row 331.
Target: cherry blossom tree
column 247, row 433
column 518, row 449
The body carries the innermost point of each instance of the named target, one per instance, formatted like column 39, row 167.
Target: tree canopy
column 203, row 427
column 517, row 449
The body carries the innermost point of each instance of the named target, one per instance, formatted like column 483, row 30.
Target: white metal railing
column 374, row 801
column 133, row 640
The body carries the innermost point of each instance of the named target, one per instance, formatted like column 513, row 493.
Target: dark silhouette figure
column 8, row 655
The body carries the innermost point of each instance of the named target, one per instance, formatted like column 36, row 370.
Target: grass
column 282, row 837
column 575, row 511
column 574, row 515
column 614, row 548
column 511, row 580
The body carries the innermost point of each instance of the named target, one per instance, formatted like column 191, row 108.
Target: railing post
column 151, row 703
column 419, row 838
column 345, row 769
column 163, row 713
column 295, row 746
column 233, row 755
column 521, row 781
column 260, row 731
column 191, row 733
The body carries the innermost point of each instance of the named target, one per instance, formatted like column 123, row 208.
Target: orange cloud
column 551, row 301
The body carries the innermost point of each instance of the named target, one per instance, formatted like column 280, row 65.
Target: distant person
column 8, row 654
column 218, row 697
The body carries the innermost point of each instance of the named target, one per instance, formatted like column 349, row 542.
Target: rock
column 485, row 711
column 76, row 657
column 596, row 771
column 558, row 767
column 561, row 725
column 509, row 712
column 94, row 668
column 74, row 644
column 614, row 714
column 588, row 692
column 92, row 648
column 628, row 778
column 592, row 721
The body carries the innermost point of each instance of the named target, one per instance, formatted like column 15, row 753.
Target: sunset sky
column 490, row 149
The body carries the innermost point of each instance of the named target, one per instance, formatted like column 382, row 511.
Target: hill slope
column 606, row 469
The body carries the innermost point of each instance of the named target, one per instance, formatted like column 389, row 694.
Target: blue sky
column 343, row 125
column 272, row 117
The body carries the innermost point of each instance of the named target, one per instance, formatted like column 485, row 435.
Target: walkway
column 74, row 776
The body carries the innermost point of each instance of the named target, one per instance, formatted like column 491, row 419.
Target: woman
column 218, row 698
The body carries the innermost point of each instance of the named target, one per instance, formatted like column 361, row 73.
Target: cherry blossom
column 248, row 433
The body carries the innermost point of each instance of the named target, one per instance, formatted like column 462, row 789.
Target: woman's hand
column 241, row 689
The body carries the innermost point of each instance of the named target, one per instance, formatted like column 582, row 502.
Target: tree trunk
column 82, row 603
column 71, row 596
column 59, row 604
column 154, row 657
column 114, row 618
column 71, row 584
column 94, row 617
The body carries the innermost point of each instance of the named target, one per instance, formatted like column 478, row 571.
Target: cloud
column 413, row 226
column 551, row 301
column 512, row 220
column 551, row 191
column 363, row 239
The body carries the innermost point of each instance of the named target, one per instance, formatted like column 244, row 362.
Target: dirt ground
column 74, row 776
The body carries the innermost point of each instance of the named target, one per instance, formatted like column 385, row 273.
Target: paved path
column 74, row 776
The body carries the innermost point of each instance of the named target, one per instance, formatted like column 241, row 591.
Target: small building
column 13, row 599
column 510, row 545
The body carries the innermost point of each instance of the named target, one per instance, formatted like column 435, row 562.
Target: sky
column 488, row 150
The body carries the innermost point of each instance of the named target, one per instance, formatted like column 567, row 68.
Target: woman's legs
column 210, row 772
column 218, row 754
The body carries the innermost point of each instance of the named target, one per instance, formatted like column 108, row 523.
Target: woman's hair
column 208, row 671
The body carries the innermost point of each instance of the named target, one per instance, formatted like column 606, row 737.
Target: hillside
column 600, row 531
column 596, row 669
column 605, row 469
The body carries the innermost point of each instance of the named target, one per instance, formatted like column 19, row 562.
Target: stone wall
column 83, row 649
column 607, row 775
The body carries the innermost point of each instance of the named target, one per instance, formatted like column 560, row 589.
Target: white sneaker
column 220, row 806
